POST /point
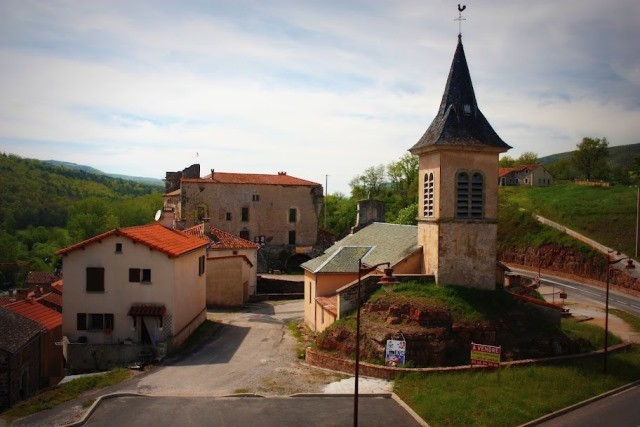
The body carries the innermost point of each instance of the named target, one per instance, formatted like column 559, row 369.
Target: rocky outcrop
column 434, row 339
column 568, row 261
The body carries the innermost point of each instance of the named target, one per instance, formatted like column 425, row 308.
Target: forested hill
column 141, row 179
column 35, row 193
column 621, row 156
column 44, row 208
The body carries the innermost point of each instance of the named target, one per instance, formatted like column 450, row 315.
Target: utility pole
column 326, row 193
column 638, row 223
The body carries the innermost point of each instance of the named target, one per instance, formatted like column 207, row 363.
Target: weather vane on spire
column 460, row 18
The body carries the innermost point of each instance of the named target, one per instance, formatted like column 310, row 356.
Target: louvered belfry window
column 428, row 195
column 470, row 195
column 477, row 195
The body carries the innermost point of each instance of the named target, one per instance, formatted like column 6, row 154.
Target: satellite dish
column 158, row 215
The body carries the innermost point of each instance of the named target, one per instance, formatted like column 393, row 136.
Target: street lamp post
column 388, row 279
column 606, row 313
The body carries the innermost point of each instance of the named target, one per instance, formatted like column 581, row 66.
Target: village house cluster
column 143, row 290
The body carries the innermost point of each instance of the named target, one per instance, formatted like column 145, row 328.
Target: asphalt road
column 620, row 410
column 244, row 411
column 590, row 294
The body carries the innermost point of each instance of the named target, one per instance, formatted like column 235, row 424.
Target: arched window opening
column 428, row 195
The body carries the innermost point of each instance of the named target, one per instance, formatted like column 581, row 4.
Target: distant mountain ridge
column 620, row 156
column 89, row 169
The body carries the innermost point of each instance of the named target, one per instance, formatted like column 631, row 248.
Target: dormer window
column 466, row 108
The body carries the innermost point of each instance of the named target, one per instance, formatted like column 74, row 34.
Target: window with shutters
column 139, row 275
column 95, row 279
column 470, row 195
column 428, row 208
column 108, row 322
column 81, row 321
column 245, row 214
column 293, row 215
column 201, row 264
column 96, row 322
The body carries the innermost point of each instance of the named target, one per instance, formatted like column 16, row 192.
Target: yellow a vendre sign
column 485, row 355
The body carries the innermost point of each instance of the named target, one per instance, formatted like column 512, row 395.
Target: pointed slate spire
column 459, row 120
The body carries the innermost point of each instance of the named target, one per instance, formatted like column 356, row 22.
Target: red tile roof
column 53, row 298
column 147, row 310
column 40, row 278
column 251, row 178
column 7, row 300
column 31, row 309
column 57, row 286
column 220, row 239
column 507, row 171
column 155, row 236
column 329, row 303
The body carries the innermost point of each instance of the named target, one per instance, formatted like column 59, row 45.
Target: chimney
column 21, row 294
column 212, row 172
column 282, row 173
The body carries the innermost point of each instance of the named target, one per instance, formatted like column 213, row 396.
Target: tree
column 590, row 159
column 341, row 213
column 403, row 175
column 562, row 169
column 634, row 171
column 527, row 158
column 506, row 161
column 369, row 184
column 408, row 215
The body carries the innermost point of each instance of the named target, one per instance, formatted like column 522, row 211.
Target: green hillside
column 607, row 215
column 44, row 208
column 141, row 179
column 620, row 156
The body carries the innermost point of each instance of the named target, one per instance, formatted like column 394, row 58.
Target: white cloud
column 313, row 88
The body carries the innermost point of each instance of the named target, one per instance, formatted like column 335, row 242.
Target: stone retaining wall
column 323, row 360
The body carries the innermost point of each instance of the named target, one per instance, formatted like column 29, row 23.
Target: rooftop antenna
column 197, row 156
column 460, row 18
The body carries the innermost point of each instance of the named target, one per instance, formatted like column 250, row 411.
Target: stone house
column 51, row 357
column 338, row 266
column 232, row 266
column 19, row 357
column 279, row 212
column 531, row 175
column 140, row 286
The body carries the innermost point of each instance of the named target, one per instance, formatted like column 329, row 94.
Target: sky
column 319, row 89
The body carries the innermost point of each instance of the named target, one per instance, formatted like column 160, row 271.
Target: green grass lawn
column 607, row 215
column 56, row 395
column 514, row 395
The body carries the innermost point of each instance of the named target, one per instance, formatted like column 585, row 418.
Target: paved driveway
column 252, row 352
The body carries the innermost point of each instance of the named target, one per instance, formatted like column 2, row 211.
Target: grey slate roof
column 16, row 330
column 454, row 126
column 378, row 242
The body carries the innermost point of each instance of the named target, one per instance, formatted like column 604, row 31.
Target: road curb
column 417, row 418
column 97, row 403
column 563, row 411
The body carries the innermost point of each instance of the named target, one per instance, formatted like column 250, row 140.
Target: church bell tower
column 458, row 192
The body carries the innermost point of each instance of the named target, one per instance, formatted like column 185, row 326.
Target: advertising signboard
column 485, row 355
column 394, row 355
